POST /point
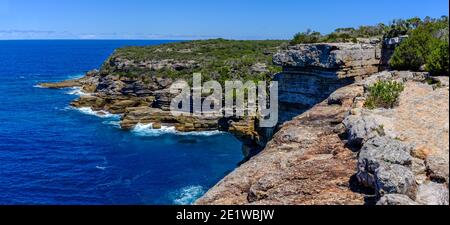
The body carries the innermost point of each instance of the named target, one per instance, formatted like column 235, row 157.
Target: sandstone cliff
column 312, row 72
column 134, row 82
column 339, row 152
column 328, row 148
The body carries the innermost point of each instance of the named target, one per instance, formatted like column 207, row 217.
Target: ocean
column 51, row 154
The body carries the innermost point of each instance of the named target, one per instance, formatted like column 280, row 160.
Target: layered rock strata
column 341, row 153
column 329, row 150
column 305, row 163
column 312, row 72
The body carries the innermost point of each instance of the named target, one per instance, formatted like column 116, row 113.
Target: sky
column 198, row 19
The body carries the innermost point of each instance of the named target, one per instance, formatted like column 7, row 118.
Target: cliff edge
column 338, row 151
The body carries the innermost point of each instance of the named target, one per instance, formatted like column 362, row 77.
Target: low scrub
column 384, row 94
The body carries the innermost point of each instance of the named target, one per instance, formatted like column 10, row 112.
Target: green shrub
column 307, row 37
column 401, row 27
column 217, row 59
column 384, row 94
column 427, row 45
column 412, row 53
column 438, row 59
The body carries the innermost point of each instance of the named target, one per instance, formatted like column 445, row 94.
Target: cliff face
column 135, row 82
column 312, row 72
column 306, row 162
column 328, row 149
column 337, row 151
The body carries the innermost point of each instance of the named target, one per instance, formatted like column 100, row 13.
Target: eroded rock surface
column 305, row 163
column 405, row 149
column 311, row 72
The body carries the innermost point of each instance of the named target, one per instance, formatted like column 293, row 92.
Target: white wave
column 76, row 91
column 75, row 76
column 188, row 195
column 147, row 130
column 101, row 113
column 114, row 123
column 38, row 86
column 101, row 167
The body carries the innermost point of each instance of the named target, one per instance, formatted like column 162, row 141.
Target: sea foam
column 188, row 195
column 147, row 130
column 76, row 91
column 91, row 112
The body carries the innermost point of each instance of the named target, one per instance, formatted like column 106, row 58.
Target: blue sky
column 197, row 19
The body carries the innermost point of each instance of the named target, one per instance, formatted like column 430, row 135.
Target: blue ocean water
column 51, row 154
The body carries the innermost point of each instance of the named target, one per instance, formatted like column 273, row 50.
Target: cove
column 53, row 154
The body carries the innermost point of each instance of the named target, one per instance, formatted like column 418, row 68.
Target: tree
column 427, row 45
column 438, row 60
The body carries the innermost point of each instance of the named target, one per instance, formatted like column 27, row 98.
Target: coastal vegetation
column 216, row 59
column 348, row 34
column 384, row 94
column 426, row 48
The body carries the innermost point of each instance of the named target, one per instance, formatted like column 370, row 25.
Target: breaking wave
column 147, row 130
column 76, row 91
column 188, row 195
column 101, row 113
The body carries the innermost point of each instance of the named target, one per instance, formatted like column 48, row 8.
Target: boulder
column 385, row 150
column 433, row 194
column 363, row 125
column 384, row 164
column 438, row 167
column 396, row 199
column 395, row 179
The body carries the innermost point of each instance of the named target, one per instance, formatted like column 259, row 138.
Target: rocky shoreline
column 341, row 153
column 328, row 148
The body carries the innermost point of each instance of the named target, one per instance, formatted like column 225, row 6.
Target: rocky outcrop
column 158, row 117
column 396, row 199
column 384, row 164
column 305, row 163
column 134, row 82
column 404, row 149
column 328, row 148
column 314, row 157
column 340, row 59
column 312, row 72
column 432, row 193
column 88, row 83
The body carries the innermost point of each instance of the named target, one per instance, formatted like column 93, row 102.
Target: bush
column 307, row 37
column 412, row 53
column 426, row 45
column 384, row 94
column 217, row 59
column 401, row 27
column 438, row 60
column 339, row 37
